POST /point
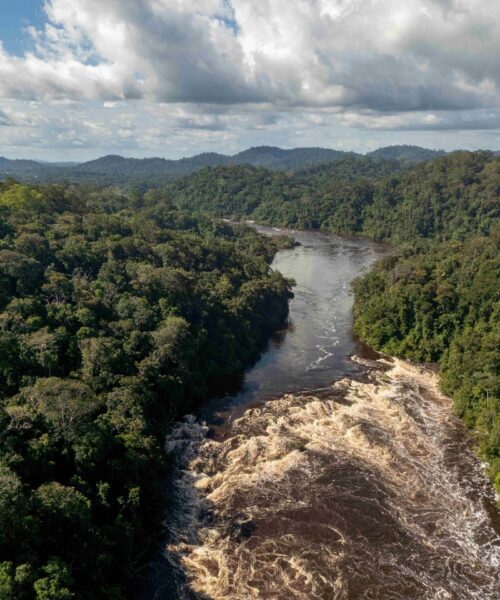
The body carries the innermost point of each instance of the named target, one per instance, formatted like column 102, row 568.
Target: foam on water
column 366, row 490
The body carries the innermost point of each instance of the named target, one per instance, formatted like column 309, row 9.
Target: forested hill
column 409, row 153
column 449, row 197
column 323, row 196
column 117, row 314
column 120, row 311
column 437, row 298
column 114, row 169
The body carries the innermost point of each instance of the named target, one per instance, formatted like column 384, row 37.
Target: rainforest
column 118, row 314
column 124, row 308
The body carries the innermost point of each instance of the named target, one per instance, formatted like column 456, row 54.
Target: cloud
column 474, row 120
column 4, row 119
column 85, row 130
column 175, row 77
column 124, row 127
column 384, row 56
column 15, row 118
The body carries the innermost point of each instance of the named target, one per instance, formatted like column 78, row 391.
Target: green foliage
column 329, row 196
column 117, row 314
column 405, row 152
column 114, row 169
column 448, row 198
column 13, row 506
column 56, row 583
column 442, row 304
column 15, row 582
column 64, row 403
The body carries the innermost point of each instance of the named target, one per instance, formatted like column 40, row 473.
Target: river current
column 334, row 473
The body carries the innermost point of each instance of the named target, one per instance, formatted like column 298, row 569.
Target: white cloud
column 384, row 55
column 4, row 119
column 148, row 76
column 481, row 119
column 82, row 131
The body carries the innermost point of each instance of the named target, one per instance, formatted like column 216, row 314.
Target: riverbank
column 440, row 303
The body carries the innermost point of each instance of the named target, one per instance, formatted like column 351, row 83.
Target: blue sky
column 15, row 15
column 170, row 78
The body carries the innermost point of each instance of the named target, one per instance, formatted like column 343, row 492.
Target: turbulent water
column 329, row 476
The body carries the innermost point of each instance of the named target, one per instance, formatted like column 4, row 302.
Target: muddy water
column 315, row 348
column 329, row 476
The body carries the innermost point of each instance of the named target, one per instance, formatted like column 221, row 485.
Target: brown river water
column 334, row 473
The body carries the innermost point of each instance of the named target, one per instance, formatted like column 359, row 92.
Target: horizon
column 222, row 152
column 80, row 79
column 262, row 146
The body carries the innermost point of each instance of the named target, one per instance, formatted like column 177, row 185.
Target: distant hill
column 278, row 159
column 263, row 156
column 19, row 167
column 114, row 169
column 134, row 168
column 408, row 153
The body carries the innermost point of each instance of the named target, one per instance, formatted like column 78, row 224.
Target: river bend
column 334, row 474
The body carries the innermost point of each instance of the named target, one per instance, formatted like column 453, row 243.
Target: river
column 334, row 473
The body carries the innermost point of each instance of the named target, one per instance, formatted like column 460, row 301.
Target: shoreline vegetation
column 120, row 310
column 437, row 306
column 117, row 315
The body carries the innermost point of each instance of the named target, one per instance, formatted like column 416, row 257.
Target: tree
column 65, row 403
column 56, row 584
column 12, row 507
column 24, row 273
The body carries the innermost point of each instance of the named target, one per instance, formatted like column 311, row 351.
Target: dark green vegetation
column 452, row 196
column 114, row 169
column 437, row 298
column 409, row 153
column 442, row 304
column 117, row 314
column 328, row 196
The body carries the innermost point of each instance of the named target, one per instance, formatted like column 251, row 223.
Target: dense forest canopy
column 405, row 152
column 114, row 169
column 442, row 304
column 325, row 196
column 451, row 196
column 120, row 311
column 116, row 315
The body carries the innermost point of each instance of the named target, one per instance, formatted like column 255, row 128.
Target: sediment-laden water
column 329, row 476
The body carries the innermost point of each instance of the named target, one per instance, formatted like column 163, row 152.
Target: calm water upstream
column 315, row 348
column 331, row 475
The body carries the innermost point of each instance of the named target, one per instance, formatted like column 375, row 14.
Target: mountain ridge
column 114, row 168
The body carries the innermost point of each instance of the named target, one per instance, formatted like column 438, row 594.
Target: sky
column 84, row 78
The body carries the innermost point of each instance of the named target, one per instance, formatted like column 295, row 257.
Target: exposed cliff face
column 369, row 489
